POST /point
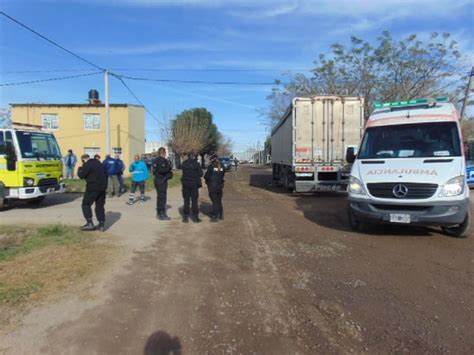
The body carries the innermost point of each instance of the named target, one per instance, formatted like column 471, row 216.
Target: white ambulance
column 410, row 168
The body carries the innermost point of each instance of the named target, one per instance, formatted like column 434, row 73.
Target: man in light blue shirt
column 140, row 175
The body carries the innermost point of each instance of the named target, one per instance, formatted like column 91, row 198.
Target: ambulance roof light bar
column 408, row 103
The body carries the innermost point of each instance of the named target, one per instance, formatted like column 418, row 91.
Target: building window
column 50, row 120
column 91, row 121
column 117, row 151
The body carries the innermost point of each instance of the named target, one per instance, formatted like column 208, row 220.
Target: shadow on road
column 111, row 218
column 161, row 343
column 264, row 181
column 329, row 209
column 48, row 201
column 206, row 209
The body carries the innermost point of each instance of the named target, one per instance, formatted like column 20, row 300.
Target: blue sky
column 129, row 36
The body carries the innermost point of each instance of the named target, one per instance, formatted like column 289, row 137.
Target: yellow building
column 81, row 127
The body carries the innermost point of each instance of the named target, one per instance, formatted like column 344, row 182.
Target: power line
column 50, row 79
column 50, row 41
column 203, row 81
column 212, row 69
column 71, row 76
column 136, row 97
column 223, row 70
column 34, row 71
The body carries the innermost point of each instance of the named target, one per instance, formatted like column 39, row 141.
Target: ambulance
column 31, row 165
column 410, row 168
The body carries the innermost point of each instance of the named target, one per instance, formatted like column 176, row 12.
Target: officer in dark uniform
column 214, row 178
column 191, row 181
column 93, row 172
column 163, row 172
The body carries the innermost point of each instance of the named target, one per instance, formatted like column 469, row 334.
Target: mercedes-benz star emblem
column 400, row 191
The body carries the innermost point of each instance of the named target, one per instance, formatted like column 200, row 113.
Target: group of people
column 114, row 168
column 99, row 176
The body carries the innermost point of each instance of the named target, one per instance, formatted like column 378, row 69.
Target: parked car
column 226, row 163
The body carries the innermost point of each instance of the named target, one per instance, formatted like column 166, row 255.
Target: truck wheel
column 460, row 230
column 2, row 196
column 289, row 182
column 35, row 201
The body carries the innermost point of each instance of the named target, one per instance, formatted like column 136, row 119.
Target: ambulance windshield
column 38, row 145
column 419, row 140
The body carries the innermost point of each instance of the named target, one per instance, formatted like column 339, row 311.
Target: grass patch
column 77, row 185
column 16, row 240
column 36, row 262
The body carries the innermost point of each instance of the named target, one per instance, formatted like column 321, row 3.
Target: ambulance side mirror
column 350, row 155
column 10, row 156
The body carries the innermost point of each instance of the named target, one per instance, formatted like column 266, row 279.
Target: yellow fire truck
column 31, row 164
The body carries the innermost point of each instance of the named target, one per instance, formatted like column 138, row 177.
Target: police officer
column 214, row 178
column 191, row 182
column 163, row 172
column 93, row 172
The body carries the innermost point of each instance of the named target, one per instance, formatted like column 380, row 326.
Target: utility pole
column 107, row 114
column 465, row 102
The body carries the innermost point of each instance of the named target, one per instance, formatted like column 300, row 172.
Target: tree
column 468, row 130
column 194, row 131
column 225, row 146
column 5, row 117
column 386, row 70
column 268, row 145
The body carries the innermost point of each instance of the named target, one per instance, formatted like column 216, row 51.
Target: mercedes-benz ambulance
column 410, row 168
column 30, row 164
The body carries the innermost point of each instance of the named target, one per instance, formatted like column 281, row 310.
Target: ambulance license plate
column 400, row 218
column 50, row 190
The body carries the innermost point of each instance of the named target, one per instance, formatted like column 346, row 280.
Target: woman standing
column 215, row 184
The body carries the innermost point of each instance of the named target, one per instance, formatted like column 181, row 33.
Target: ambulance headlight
column 28, row 181
column 453, row 187
column 355, row 186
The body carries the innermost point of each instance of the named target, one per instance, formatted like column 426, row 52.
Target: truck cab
column 30, row 164
column 410, row 168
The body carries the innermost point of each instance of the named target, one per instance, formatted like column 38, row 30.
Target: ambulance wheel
column 354, row 223
column 460, row 230
column 35, row 201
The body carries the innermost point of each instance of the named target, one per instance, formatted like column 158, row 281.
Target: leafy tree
column 194, row 131
column 468, row 130
column 268, row 144
column 225, row 146
column 386, row 70
column 5, row 117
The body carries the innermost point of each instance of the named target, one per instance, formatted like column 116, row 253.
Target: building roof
column 70, row 105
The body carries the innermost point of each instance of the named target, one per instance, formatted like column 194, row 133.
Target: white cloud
column 339, row 8
column 266, row 11
column 270, row 64
column 146, row 48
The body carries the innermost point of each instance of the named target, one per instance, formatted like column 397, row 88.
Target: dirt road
column 282, row 275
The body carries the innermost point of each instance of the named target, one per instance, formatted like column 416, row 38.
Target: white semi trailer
column 310, row 143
